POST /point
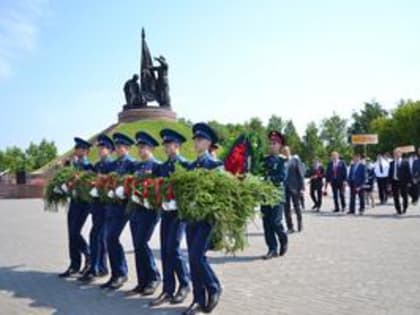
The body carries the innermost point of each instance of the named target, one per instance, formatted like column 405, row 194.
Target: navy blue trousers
column 174, row 263
column 116, row 219
column 273, row 227
column 97, row 239
column 142, row 224
column 76, row 218
column 202, row 275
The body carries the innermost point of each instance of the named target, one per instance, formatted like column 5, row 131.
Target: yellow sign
column 364, row 139
column 407, row 149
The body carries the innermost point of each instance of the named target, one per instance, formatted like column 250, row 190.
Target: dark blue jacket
column 104, row 166
column 168, row 167
column 149, row 167
column 205, row 161
column 274, row 169
column 339, row 176
column 357, row 175
column 83, row 165
column 124, row 165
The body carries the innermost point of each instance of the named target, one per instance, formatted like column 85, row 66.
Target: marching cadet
column 172, row 229
column 77, row 215
column 97, row 237
column 144, row 220
column 204, row 280
column 274, row 168
column 117, row 217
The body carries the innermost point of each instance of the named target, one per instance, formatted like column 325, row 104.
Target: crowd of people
column 396, row 176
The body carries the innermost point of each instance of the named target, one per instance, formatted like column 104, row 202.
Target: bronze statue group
column 179, row 273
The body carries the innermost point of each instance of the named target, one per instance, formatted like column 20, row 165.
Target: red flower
column 235, row 163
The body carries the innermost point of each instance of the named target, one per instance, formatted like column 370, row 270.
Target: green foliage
column 363, row 119
column 222, row 199
column 276, row 123
column 53, row 195
column 312, row 145
column 401, row 128
column 335, row 136
column 32, row 158
column 292, row 138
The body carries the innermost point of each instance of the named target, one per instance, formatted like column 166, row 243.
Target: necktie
column 381, row 167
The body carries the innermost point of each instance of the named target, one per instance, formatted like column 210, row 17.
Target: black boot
column 212, row 303
column 193, row 309
column 271, row 254
column 180, row 295
column 150, row 288
column 69, row 273
column 161, row 299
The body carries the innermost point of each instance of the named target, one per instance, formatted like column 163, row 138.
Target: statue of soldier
column 132, row 93
column 162, row 85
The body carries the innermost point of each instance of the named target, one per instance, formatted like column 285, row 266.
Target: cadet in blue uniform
column 77, row 215
column 204, row 280
column 97, row 237
column 172, row 229
column 143, row 222
column 116, row 216
column 274, row 167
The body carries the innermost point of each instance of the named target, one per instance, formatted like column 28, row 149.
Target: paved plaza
column 338, row 265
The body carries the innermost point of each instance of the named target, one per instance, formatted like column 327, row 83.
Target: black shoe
column 300, row 227
column 150, row 288
column 350, row 212
column 212, row 303
column 314, row 207
column 193, row 309
column 161, row 299
column 117, row 283
column 181, row 295
column 291, row 230
column 101, row 274
column 107, row 284
column 283, row 250
column 336, row 210
column 136, row 290
column 87, row 277
column 68, row 273
column 271, row 254
column 86, row 268
column 404, row 210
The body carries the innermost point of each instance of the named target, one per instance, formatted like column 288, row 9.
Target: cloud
column 19, row 29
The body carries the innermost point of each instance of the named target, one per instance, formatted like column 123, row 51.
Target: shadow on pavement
column 64, row 297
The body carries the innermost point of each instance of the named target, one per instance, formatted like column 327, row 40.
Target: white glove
column 111, row 194
column 119, row 192
column 146, row 204
column 135, row 199
column 169, row 205
column 58, row 191
column 64, row 188
column 94, row 192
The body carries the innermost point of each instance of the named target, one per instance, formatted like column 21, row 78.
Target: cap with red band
column 277, row 136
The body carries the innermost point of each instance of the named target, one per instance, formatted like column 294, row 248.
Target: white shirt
column 385, row 168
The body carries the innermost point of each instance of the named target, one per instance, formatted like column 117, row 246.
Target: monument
column 148, row 99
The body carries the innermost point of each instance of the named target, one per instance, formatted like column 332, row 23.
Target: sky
column 63, row 63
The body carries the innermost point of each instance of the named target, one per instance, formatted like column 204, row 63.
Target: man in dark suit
column 294, row 186
column 400, row 177
column 416, row 176
column 356, row 180
column 316, row 175
column 414, row 165
column 336, row 176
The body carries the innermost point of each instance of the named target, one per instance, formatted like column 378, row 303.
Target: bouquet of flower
column 57, row 191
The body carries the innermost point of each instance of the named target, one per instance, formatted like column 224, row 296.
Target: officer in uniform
column 172, row 229
column 144, row 220
column 204, row 280
column 274, row 168
column 77, row 215
column 97, row 238
column 116, row 216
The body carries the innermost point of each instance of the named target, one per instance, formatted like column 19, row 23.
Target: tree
column 362, row 120
column 312, row 145
column 292, row 138
column 334, row 135
column 39, row 155
column 402, row 128
column 276, row 123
